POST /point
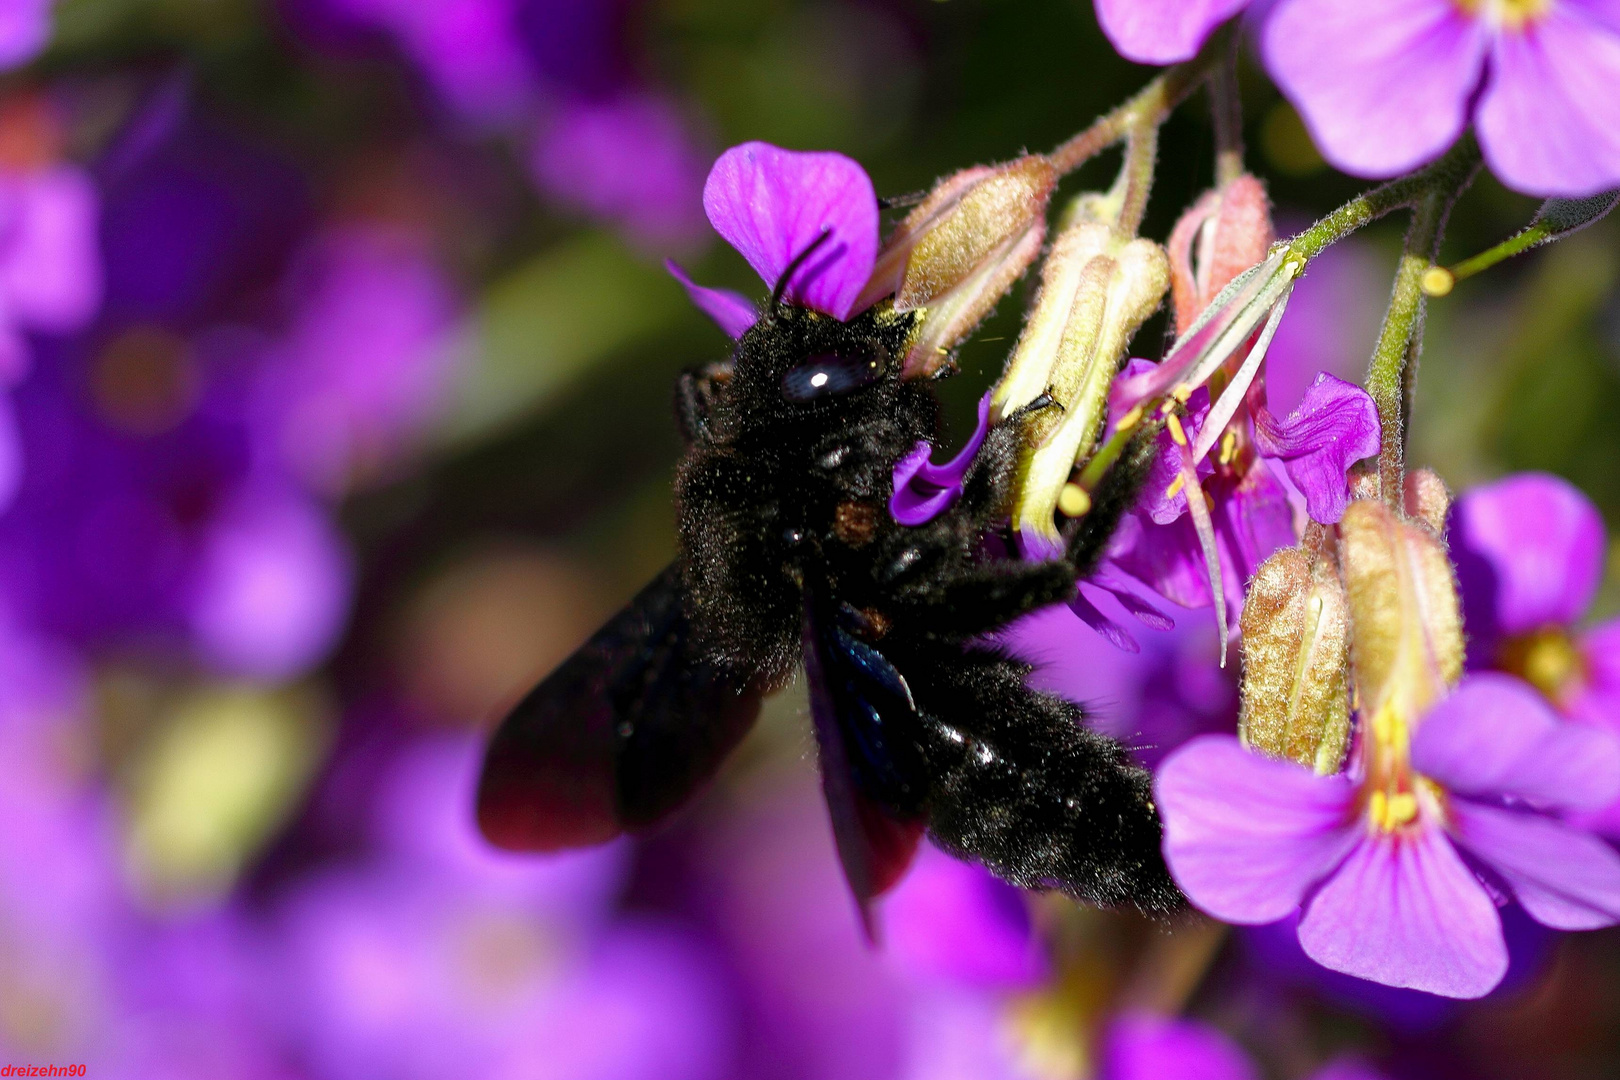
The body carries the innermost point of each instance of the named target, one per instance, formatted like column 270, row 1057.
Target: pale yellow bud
column 1097, row 288
column 959, row 251
column 1406, row 630
column 1296, row 701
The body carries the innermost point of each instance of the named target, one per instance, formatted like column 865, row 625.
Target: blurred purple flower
column 1141, row 1046
column 1369, row 861
column 470, row 50
column 270, row 592
column 772, row 205
column 1386, row 85
column 364, row 368
column 628, row 160
column 25, row 27
column 50, row 257
column 952, row 921
column 1529, row 551
column 440, row 956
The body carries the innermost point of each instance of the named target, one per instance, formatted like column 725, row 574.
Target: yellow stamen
column 1437, row 281
column 1182, row 393
column 1228, row 447
column 1175, row 486
column 1131, row 419
column 1074, row 501
column 1176, row 432
column 1546, row 659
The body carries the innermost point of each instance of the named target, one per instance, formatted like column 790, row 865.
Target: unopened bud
column 1427, row 499
column 1224, row 233
column 1097, row 288
column 1406, row 642
column 961, row 249
column 1296, row 702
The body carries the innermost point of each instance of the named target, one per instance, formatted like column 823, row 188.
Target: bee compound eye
column 830, row 374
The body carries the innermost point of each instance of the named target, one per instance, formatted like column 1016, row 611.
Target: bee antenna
column 796, row 265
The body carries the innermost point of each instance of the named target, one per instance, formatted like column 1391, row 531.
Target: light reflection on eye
column 830, row 374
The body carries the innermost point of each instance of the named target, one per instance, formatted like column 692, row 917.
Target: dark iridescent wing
column 618, row 736
column 872, row 769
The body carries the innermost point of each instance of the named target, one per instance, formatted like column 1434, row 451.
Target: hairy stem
column 1141, row 155
column 1450, row 173
column 1393, row 371
column 1151, row 106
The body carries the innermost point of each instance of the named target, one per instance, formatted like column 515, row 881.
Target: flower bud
column 1406, row 642
column 961, row 249
column 1296, row 703
column 1097, row 288
column 1427, row 499
column 1223, row 234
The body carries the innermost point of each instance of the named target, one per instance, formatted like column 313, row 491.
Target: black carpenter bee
column 787, row 555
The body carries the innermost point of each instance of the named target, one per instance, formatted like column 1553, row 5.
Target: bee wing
column 618, row 736
column 871, row 768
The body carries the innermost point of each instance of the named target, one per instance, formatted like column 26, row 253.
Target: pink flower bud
column 1223, row 234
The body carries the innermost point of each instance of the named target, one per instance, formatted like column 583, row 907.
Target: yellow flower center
column 1546, row 659
column 1506, row 14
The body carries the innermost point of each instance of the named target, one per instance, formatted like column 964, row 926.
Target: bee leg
column 988, row 596
column 1086, row 538
column 695, row 393
column 988, row 485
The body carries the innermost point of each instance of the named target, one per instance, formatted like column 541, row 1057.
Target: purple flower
column 1396, row 867
column 364, row 367
column 440, row 956
column 1141, row 1046
column 1167, row 690
column 922, row 490
column 1386, row 85
column 952, row 921
column 25, row 26
column 629, row 160
column 773, row 205
column 1529, row 551
column 1162, row 31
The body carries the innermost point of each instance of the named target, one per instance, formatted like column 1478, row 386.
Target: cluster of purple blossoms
column 604, row 142
column 1385, row 86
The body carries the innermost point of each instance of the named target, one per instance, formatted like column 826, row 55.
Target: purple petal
column 1565, row 878
column 1252, row 519
column 25, row 26
column 1166, row 558
column 1383, row 85
column 1126, row 591
column 1529, row 553
column 1597, row 697
column 732, row 311
column 1495, row 736
column 772, row 204
column 922, row 490
column 273, row 587
column 1162, row 31
column 1549, row 120
column 1141, row 1046
column 1110, row 631
column 1335, row 426
column 955, row 920
column 1404, row 910
column 51, row 269
column 1247, row 836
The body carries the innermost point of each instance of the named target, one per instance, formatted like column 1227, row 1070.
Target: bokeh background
column 337, row 355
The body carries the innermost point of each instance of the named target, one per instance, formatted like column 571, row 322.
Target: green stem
column 1451, row 172
column 1151, row 105
column 1141, row 155
column 1393, row 370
